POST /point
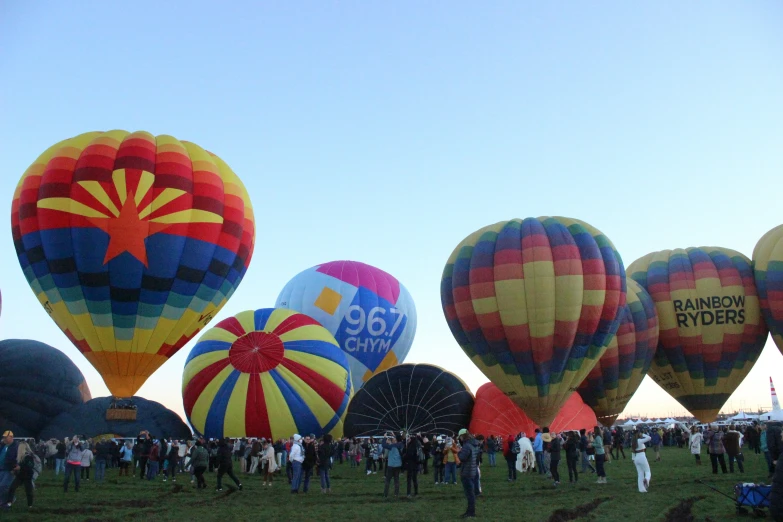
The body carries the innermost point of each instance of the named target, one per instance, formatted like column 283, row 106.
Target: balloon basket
column 120, row 415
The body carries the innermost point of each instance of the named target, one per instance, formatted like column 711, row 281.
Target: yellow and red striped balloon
column 768, row 272
column 267, row 373
column 711, row 329
column 534, row 303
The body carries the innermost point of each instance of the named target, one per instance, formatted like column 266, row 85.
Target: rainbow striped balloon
column 620, row 371
column 269, row 373
column 132, row 243
column 711, row 329
column 768, row 271
column 534, row 303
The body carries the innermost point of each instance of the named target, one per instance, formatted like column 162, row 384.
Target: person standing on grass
column 393, row 465
column 655, row 440
column 572, row 456
column 324, row 455
column 437, row 461
column 172, row 460
column 126, row 457
column 59, row 458
column 555, row 446
column 733, row 443
column 586, row 451
column 695, row 443
column 607, row 437
column 102, row 459
column 600, row 453
column 639, row 457
column 468, row 455
column 296, row 457
column 73, row 463
column 153, row 464
column 716, row 449
column 410, row 460
column 492, row 447
column 86, row 464
column 268, row 462
column 225, row 463
column 451, row 461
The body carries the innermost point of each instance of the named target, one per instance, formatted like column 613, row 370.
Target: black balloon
column 410, row 398
column 89, row 420
column 37, row 383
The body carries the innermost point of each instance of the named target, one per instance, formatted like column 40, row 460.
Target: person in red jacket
column 153, row 464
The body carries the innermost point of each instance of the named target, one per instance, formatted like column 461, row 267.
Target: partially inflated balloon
column 534, row 303
column 768, row 271
column 620, row 371
column 368, row 311
column 711, row 330
column 269, row 373
column 495, row 414
column 132, row 243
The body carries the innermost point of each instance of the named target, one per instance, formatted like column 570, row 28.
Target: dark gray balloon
column 412, row 398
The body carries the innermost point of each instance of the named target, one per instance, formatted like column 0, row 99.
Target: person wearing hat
column 8, row 463
column 468, row 457
column 296, row 457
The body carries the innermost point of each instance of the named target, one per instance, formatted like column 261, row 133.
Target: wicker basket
column 120, row 415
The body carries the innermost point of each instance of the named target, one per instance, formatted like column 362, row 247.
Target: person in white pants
column 640, row 460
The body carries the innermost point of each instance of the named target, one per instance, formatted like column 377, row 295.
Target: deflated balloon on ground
column 37, row 383
column 89, row 420
column 496, row 414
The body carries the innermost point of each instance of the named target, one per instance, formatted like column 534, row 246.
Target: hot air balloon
column 768, row 272
column 534, row 303
column 620, row 371
column 711, row 330
column 410, row 398
column 368, row 311
column 37, row 382
column 269, row 373
column 496, row 414
column 132, row 243
column 89, row 420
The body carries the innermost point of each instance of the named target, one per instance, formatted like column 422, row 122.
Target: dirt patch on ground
column 682, row 511
column 562, row 515
column 70, row 511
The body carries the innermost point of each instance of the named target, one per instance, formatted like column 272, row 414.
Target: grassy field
column 674, row 495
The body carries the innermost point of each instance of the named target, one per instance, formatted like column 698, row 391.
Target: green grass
column 359, row 497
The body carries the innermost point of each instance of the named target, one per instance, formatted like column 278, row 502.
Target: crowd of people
column 447, row 458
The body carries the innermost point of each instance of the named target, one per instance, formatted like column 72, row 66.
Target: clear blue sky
column 385, row 132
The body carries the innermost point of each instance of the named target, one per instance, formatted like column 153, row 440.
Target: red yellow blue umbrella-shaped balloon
column 619, row 372
column 132, row 243
column 711, row 329
column 768, row 272
column 534, row 303
column 267, row 373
